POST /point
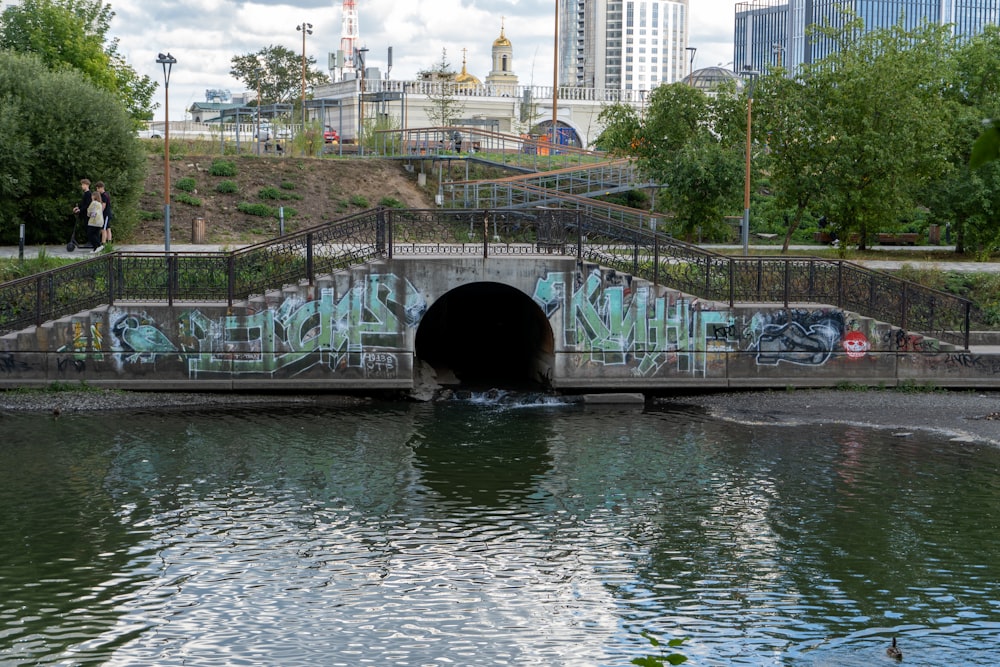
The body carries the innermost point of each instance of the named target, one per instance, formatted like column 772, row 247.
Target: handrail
column 620, row 244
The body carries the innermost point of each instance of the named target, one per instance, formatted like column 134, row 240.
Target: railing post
column 656, row 258
column 905, row 308
column 579, row 235
column 486, row 233
column 840, row 284
column 38, row 301
column 788, row 279
column 231, row 278
column 732, row 283
column 309, row 258
column 170, row 280
column 968, row 323
column 635, row 256
column 380, row 231
column 111, row 278
column 389, row 236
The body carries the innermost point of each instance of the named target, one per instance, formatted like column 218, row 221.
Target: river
column 490, row 532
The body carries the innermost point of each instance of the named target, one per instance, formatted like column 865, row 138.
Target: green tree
column 881, row 123
column 56, row 128
column 278, row 71
column 445, row 107
column 691, row 143
column 74, row 34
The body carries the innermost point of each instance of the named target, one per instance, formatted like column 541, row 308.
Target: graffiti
column 9, row 364
column 724, row 332
column 899, row 340
column 140, row 338
column 380, row 365
column 856, row 345
column 351, row 332
column 65, row 363
column 806, row 338
column 619, row 323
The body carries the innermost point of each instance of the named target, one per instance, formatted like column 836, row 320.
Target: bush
column 185, row 198
column 222, row 168
column 288, row 185
column 269, row 193
column 391, row 202
column 187, row 184
column 227, row 187
column 359, row 201
column 260, row 210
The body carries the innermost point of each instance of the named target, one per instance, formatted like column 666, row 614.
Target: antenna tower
column 349, row 36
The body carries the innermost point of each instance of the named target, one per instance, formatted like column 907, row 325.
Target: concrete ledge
column 614, row 399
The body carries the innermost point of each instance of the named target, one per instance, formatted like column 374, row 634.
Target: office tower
column 769, row 32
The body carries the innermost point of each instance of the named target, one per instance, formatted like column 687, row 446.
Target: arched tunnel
column 487, row 335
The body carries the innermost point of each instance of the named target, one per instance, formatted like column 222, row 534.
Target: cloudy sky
column 204, row 35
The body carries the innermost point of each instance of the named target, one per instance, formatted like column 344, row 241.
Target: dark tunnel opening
column 487, row 335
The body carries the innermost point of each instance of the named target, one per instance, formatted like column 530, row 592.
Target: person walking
column 106, row 200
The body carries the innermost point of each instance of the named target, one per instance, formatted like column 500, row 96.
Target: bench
column 898, row 239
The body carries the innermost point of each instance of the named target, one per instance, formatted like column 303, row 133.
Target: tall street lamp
column 693, row 50
column 305, row 29
column 751, row 76
column 168, row 64
column 260, row 73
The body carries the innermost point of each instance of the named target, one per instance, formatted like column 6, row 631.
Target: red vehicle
column 330, row 136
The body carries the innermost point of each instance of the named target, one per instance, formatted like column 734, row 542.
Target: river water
column 490, row 533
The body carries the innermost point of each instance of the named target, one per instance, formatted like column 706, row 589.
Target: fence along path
column 378, row 233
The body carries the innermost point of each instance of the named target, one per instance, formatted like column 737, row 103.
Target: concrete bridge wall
column 400, row 323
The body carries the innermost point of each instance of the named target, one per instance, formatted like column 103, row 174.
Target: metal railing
column 387, row 233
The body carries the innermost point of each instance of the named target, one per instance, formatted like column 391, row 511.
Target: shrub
column 391, row 202
column 187, row 184
column 359, row 201
column 269, row 193
column 185, row 198
column 222, row 168
column 261, row 210
column 227, row 187
column 288, row 185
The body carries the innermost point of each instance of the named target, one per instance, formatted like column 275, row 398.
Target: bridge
column 416, row 300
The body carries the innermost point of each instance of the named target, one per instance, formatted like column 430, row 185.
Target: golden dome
column 502, row 39
column 464, row 76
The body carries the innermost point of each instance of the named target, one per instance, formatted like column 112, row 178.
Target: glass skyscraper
column 769, row 32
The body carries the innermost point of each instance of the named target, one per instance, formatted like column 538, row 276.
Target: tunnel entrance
column 487, row 335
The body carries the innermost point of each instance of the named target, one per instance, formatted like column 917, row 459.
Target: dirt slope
column 311, row 190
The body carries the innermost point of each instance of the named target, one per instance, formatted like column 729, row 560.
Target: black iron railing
column 654, row 256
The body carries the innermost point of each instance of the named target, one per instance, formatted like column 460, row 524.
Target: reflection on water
column 481, row 533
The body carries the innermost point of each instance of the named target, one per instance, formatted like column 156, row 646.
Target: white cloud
column 204, row 35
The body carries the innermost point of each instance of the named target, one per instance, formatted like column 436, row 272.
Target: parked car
column 330, row 136
column 149, row 134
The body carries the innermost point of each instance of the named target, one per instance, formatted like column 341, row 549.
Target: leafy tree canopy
column 277, row 71
column 56, row 128
column 74, row 34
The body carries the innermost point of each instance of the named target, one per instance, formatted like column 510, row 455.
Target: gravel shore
column 969, row 416
column 960, row 415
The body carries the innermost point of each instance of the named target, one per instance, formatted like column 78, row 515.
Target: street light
column 306, row 29
column 751, row 75
column 260, row 73
column 168, row 62
column 693, row 50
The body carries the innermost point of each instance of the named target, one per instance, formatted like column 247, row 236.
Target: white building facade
column 622, row 44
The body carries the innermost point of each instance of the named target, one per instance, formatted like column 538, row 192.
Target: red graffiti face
column 855, row 344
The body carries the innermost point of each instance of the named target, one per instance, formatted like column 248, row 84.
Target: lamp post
column 260, row 73
column 167, row 61
column 693, row 50
column 305, row 29
column 751, row 75
column 555, row 82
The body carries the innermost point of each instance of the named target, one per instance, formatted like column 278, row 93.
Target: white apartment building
column 622, row 44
